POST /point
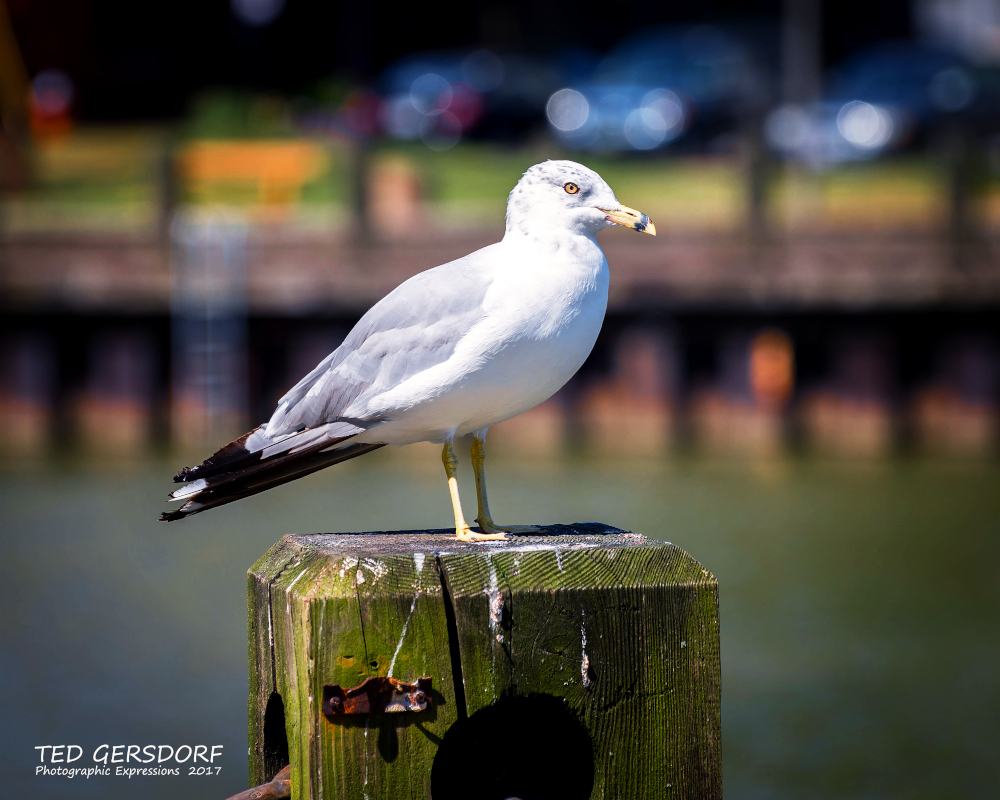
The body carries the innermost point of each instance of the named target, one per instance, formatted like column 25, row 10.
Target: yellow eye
column 571, row 188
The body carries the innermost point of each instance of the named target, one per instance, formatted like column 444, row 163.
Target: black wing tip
column 171, row 516
column 184, row 475
column 225, row 458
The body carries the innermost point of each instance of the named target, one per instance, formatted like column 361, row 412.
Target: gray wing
column 414, row 327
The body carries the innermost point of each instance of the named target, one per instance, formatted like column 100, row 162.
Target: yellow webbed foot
column 466, row 534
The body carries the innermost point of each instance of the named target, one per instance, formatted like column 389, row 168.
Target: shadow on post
column 522, row 747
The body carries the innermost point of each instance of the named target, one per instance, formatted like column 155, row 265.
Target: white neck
column 538, row 234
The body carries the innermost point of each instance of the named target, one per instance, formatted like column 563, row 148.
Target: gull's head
column 563, row 196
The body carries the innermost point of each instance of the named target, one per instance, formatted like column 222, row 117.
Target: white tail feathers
column 187, row 491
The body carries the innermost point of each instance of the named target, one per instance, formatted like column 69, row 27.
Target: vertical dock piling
column 584, row 663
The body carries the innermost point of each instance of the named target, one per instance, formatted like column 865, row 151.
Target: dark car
column 658, row 87
column 878, row 100
column 441, row 97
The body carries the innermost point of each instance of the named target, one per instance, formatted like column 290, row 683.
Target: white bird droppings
column 495, row 598
column 375, row 567
column 295, row 581
column 346, row 564
column 584, row 658
column 367, row 721
column 402, row 636
column 418, row 562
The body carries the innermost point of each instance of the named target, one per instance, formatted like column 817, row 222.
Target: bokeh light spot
column 787, row 128
column 645, row 129
column 864, row 125
column 440, row 130
column 567, row 110
column 257, row 13
column 430, row 92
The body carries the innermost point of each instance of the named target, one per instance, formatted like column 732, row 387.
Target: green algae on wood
column 340, row 618
column 620, row 628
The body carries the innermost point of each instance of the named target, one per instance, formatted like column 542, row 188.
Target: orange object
column 278, row 168
column 772, row 368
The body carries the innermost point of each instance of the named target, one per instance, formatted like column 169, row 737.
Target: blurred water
column 860, row 625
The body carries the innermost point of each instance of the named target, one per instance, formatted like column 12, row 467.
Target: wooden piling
column 584, row 663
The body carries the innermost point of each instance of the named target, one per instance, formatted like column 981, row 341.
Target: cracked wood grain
column 621, row 628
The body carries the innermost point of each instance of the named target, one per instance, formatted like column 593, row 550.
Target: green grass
column 118, row 169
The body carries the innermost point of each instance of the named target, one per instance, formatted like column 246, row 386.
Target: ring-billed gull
column 449, row 352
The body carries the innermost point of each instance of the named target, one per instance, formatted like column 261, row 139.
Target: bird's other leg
column 485, row 520
column 462, row 529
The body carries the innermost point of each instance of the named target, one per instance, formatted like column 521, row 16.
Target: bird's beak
column 631, row 218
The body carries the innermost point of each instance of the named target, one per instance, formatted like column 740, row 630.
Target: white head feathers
column 560, row 196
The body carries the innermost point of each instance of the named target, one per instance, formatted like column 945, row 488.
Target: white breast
column 541, row 320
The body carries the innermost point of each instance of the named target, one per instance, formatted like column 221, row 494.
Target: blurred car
column 921, row 79
column 878, row 101
column 440, row 98
column 655, row 88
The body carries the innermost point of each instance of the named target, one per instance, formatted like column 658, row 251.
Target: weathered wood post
column 579, row 664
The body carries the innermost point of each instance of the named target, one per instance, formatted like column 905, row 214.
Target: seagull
column 449, row 352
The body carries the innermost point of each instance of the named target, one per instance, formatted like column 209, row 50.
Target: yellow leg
column 462, row 529
column 486, row 524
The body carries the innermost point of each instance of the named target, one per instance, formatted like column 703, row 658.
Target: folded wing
column 414, row 328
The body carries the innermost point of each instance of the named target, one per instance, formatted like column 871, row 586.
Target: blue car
column 441, row 97
column 658, row 87
column 877, row 101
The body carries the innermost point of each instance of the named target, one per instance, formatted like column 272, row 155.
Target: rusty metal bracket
column 378, row 695
column 279, row 788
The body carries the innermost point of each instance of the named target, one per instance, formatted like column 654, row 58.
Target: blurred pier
column 309, row 273
column 845, row 339
column 159, row 292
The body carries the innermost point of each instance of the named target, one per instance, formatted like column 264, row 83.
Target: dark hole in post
column 532, row 748
column 275, row 738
